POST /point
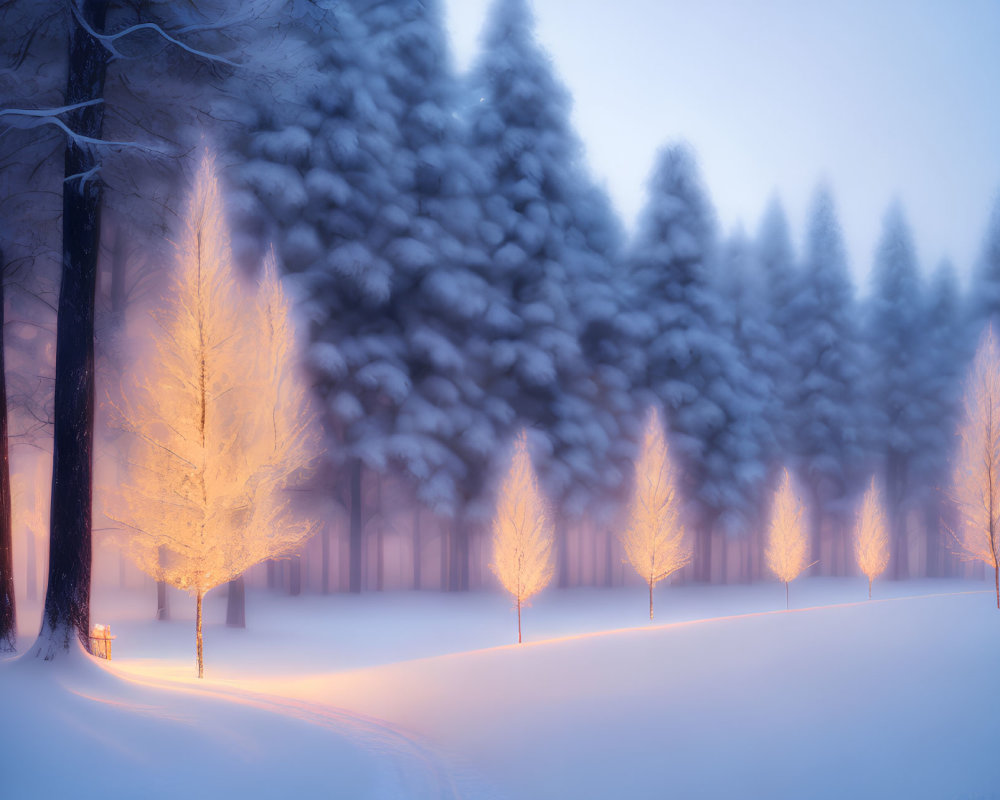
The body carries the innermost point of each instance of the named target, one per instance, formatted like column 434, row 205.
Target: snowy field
column 422, row 695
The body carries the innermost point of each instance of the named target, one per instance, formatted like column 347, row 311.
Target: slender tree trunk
column 445, row 551
column 379, row 538
column 197, row 628
column 519, row 620
column 562, row 553
column 896, row 479
column 236, row 608
column 272, row 578
column 162, row 607
column 162, row 610
column 609, row 575
column 8, row 609
column 458, row 578
column 325, row 580
column 650, row 600
column 356, row 541
column 816, row 523
column 31, row 559
column 786, row 596
column 67, row 596
column 295, row 575
column 703, row 570
column 416, row 548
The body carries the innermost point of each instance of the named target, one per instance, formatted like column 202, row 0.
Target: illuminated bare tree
column 654, row 540
column 204, row 497
column 871, row 537
column 788, row 543
column 287, row 444
column 977, row 468
column 523, row 533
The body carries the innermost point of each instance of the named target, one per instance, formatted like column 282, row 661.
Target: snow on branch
column 36, row 117
column 109, row 39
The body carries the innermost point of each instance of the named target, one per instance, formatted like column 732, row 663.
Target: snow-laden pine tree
column 551, row 240
column 654, row 539
column 827, row 411
column 895, row 331
column 745, row 316
column 692, row 368
column 522, row 532
column 787, row 550
column 780, row 280
column 976, row 477
column 211, row 452
column 985, row 295
column 945, row 357
column 871, row 537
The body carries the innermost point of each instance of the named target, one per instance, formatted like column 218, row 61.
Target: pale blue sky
column 883, row 99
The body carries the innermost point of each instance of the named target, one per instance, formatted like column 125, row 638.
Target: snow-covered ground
column 423, row 695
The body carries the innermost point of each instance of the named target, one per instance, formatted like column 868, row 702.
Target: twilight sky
column 881, row 98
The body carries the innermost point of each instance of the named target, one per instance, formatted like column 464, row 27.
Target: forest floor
column 426, row 695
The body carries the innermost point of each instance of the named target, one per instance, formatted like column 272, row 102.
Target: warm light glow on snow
column 787, row 545
column 977, row 469
column 216, row 419
column 654, row 540
column 871, row 537
column 522, row 532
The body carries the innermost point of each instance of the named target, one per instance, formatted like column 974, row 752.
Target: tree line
column 462, row 276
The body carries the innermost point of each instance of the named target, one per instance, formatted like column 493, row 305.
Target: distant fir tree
column 780, row 281
column 692, row 368
column 895, row 332
column 985, row 295
column 551, row 242
column 826, row 403
column 947, row 351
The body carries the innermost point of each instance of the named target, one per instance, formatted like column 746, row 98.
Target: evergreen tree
column 692, row 368
column 551, row 240
column 897, row 382
column 826, row 409
column 780, row 281
column 985, row 297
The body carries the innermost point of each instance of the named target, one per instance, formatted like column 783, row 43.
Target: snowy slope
column 410, row 695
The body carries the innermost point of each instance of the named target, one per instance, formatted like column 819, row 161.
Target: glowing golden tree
column 211, row 451
column 654, row 540
column 787, row 543
column 522, row 532
column 871, row 538
column 977, row 468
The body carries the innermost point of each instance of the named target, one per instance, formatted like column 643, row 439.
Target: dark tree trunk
column 325, row 580
column 272, row 577
column 379, row 538
column 609, row 575
column 896, row 476
column 816, row 529
column 295, row 575
column 162, row 604
column 932, row 525
column 458, row 572
column 197, row 635
column 8, row 610
column 355, row 541
column 416, row 548
column 236, row 604
column 445, row 551
column 31, row 559
column 562, row 552
column 703, row 567
column 67, row 597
